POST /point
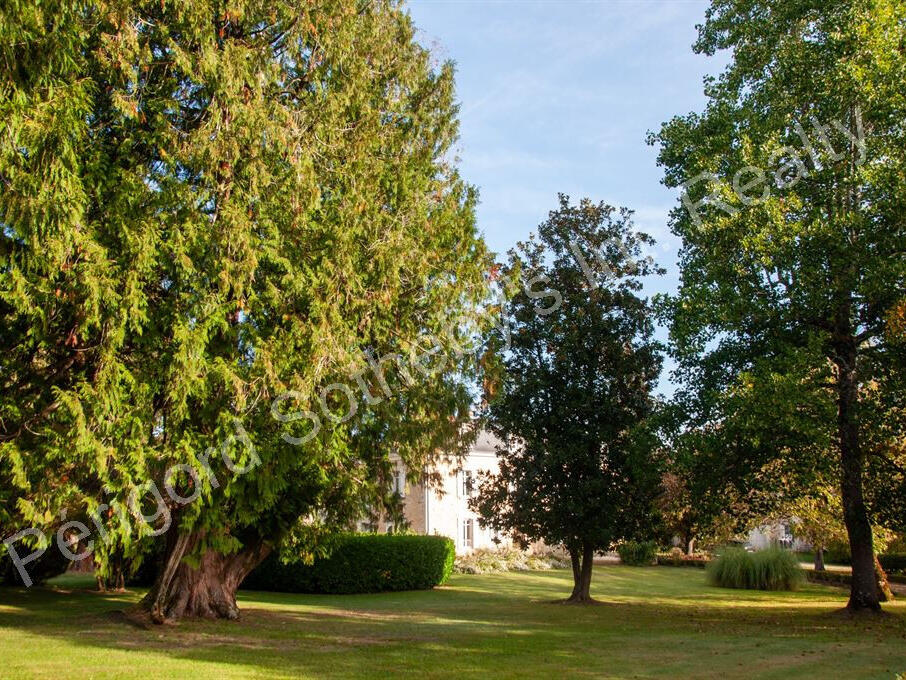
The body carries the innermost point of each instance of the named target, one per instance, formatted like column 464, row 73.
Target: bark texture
column 115, row 583
column 208, row 591
column 885, row 594
column 819, row 559
column 864, row 590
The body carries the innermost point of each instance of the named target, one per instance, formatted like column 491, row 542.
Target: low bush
column 896, row 544
column 635, row 553
column 837, row 552
column 362, row 563
column 844, row 578
column 678, row 558
column 504, row 559
column 834, row 578
column 769, row 569
column 893, row 561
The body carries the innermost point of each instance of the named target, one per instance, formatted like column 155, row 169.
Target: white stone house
column 443, row 509
column 776, row 533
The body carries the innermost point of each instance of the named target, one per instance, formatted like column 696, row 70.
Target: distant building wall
column 443, row 509
column 776, row 533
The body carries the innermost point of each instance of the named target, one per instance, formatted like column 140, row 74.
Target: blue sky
column 559, row 95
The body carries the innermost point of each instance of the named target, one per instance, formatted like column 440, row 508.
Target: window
column 467, row 533
column 466, row 484
column 786, row 536
column 399, row 482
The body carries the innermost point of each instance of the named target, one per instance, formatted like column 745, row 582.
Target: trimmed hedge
column 843, row 578
column 670, row 560
column 637, row 554
column 893, row 561
column 362, row 563
column 831, row 578
column 769, row 569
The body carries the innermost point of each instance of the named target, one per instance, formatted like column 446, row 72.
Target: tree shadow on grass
column 481, row 626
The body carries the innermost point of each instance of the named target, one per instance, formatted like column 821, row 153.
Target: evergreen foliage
column 203, row 208
column 570, row 377
column 637, row 553
column 366, row 563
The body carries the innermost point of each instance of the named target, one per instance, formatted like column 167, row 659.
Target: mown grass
column 653, row 623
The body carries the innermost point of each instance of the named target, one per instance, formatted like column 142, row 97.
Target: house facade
column 778, row 533
column 443, row 508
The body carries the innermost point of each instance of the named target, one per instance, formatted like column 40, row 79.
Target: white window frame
column 467, row 532
column 465, row 484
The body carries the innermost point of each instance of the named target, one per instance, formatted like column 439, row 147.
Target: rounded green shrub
column 769, row 569
column 362, row 563
column 636, row 553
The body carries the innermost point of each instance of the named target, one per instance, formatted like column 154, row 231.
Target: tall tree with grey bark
column 792, row 222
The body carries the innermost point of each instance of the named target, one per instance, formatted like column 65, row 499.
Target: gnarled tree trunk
column 209, row 591
column 582, row 563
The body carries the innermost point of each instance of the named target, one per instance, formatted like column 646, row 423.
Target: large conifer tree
column 205, row 206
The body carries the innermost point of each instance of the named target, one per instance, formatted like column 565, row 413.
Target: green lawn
column 655, row 622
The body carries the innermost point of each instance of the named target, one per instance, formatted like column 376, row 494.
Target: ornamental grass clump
column 769, row 569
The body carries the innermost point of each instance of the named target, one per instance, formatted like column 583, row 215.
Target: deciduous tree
column 793, row 238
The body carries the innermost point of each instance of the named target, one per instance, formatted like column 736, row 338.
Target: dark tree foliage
column 573, row 397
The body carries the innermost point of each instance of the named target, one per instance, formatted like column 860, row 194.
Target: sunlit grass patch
column 655, row 622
